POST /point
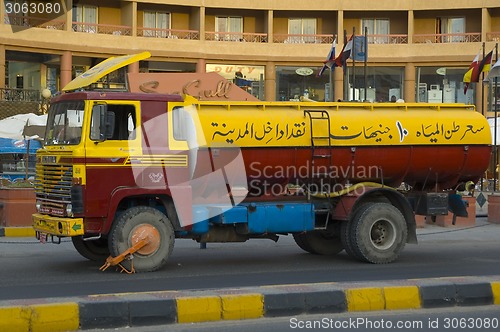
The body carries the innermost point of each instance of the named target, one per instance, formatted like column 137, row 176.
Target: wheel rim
column 146, row 231
column 383, row 234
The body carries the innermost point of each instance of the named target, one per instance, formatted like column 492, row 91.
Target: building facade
column 417, row 51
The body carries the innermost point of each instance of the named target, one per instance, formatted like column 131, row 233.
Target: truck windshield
column 64, row 123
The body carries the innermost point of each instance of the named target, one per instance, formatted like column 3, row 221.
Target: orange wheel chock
column 146, row 240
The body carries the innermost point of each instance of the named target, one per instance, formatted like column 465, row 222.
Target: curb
column 17, row 232
column 171, row 307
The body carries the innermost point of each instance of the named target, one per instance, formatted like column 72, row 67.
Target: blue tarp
column 9, row 145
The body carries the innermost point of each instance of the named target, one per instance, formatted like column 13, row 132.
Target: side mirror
column 103, row 123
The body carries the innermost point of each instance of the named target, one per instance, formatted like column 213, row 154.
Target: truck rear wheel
column 378, row 233
column 131, row 226
column 94, row 250
column 321, row 242
column 346, row 229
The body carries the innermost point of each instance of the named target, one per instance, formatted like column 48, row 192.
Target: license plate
column 43, row 238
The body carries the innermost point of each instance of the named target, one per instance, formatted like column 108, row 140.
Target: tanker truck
column 126, row 174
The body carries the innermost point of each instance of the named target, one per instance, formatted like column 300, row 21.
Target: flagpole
column 332, row 67
column 353, row 65
column 495, row 153
column 344, row 69
column 482, row 85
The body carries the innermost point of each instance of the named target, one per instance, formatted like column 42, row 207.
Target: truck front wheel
column 378, row 233
column 132, row 226
column 94, row 250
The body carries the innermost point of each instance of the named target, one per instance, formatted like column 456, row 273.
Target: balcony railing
column 107, row 29
column 493, row 36
column 303, row 39
column 34, row 22
column 20, row 94
column 387, row 39
column 447, row 38
column 237, row 36
column 168, row 33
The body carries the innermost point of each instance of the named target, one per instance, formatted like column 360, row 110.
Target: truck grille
column 53, row 184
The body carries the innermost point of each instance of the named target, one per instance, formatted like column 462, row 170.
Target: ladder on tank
column 319, row 120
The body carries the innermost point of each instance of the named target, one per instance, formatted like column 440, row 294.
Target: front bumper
column 57, row 226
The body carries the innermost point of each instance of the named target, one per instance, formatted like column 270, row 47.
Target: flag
column 329, row 59
column 494, row 71
column 485, row 64
column 345, row 54
column 472, row 74
column 360, row 48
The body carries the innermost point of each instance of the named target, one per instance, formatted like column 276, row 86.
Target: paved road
column 32, row 270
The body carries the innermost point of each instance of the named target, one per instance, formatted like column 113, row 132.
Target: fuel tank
column 426, row 146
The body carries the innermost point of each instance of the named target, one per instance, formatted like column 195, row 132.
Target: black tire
column 346, row 229
column 94, row 250
column 303, row 243
column 345, row 238
column 378, row 233
column 320, row 242
column 127, row 225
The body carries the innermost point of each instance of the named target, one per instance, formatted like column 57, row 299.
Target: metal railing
column 303, row 39
column 493, row 36
column 387, row 39
column 20, row 94
column 121, row 30
column 447, row 38
column 34, row 22
column 236, row 36
column 168, row 33
column 107, row 29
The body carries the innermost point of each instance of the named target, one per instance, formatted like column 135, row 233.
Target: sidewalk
column 171, row 307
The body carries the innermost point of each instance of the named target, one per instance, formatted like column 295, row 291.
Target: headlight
column 38, row 206
column 69, row 210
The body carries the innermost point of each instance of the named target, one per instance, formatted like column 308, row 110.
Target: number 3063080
column 33, row 7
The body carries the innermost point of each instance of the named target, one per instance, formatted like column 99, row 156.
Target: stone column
column 201, row 66
column 338, row 85
column 133, row 68
column 3, row 62
column 409, row 83
column 270, row 81
column 66, row 68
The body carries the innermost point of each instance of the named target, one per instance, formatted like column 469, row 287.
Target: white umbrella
column 491, row 121
column 494, row 71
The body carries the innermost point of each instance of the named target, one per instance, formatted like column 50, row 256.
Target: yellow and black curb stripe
column 171, row 307
column 17, row 232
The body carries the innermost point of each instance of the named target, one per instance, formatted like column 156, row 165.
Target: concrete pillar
column 411, row 26
column 485, row 23
column 133, row 68
column 201, row 18
column 3, row 61
column 338, row 84
column 409, row 83
column 201, row 66
column 66, row 68
column 270, row 26
column 270, row 81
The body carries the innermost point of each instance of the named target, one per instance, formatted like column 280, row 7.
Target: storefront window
column 248, row 77
column 443, row 85
column 292, row 83
column 383, row 84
